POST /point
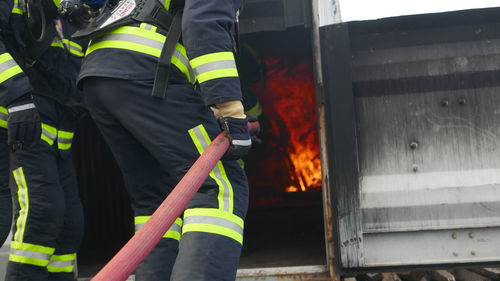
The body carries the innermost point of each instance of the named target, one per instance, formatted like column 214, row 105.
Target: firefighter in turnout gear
column 156, row 139
column 38, row 71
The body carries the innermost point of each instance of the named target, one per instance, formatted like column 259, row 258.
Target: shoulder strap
column 164, row 62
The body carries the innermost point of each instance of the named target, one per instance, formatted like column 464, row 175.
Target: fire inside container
column 284, row 225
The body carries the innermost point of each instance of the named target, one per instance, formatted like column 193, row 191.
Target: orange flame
column 288, row 99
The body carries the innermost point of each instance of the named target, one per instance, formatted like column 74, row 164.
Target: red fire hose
column 140, row 245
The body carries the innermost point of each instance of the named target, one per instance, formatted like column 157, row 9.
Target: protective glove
column 23, row 123
column 239, row 137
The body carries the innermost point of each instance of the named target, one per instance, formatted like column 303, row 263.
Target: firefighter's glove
column 23, row 124
column 239, row 137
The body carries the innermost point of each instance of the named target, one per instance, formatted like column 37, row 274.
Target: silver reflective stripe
column 21, row 107
column 16, row 5
column 62, row 263
column 148, row 26
column 23, row 212
column 63, row 140
column 216, row 170
column 242, row 142
column 185, row 62
column 174, row 227
column 162, row 2
column 73, row 47
column 214, row 221
column 147, row 42
column 3, row 116
column 30, row 254
column 138, row 226
column 216, row 65
column 132, row 39
column 49, row 134
column 6, row 65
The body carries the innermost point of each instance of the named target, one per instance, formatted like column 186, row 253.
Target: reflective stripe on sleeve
column 49, row 134
column 201, row 140
column 214, row 66
column 255, row 111
column 64, row 139
column 8, row 67
column 73, row 47
column 30, row 254
column 145, row 41
column 3, row 117
column 62, row 263
column 213, row 221
column 174, row 232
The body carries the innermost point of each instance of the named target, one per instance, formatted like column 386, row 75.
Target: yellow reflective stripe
column 63, row 146
column 213, row 221
column 180, row 60
column 167, row 4
column 64, row 139
column 56, row 2
column 214, row 66
column 62, row 263
column 32, row 247
column 8, row 67
column 23, row 199
column 49, row 134
column 144, row 41
column 126, row 46
column 3, row 117
column 210, row 212
column 255, row 111
column 215, row 229
column 213, row 57
column 215, row 74
column 68, row 257
column 73, row 47
column 65, row 135
column 140, row 32
column 174, row 232
column 16, row 9
column 225, row 197
column 30, row 254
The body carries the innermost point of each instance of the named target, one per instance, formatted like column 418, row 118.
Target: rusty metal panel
column 292, row 273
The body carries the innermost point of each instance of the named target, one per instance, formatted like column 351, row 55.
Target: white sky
column 372, row 9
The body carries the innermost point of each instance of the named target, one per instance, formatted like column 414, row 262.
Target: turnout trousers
column 5, row 200
column 155, row 141
column 48, row 216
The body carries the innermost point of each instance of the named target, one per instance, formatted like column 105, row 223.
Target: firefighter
column 156, row 139
column 38, row 74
